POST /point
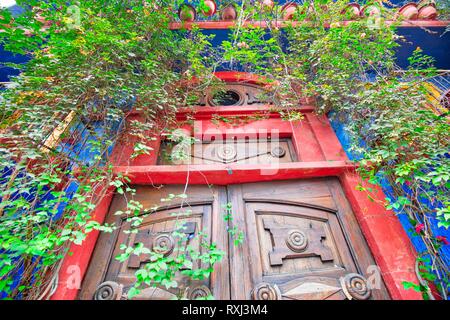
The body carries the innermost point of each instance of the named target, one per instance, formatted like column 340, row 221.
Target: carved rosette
column 226, row 153
column 297, row 241
column 266, row 291
column 278, row 152
column 356, row 287
column 108, row 290
column 164, row 244
column 196, row 293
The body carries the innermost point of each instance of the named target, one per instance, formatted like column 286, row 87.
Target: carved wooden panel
column 157, row 234
column 110, row 279
column 352, row 286
column 295, row 239
column 226, row 152
column 302, row 242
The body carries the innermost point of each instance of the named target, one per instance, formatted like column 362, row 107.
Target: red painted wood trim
column 74, row 266
column 388, row 241
column 229, row 24
column 206, row 129
column 202, row 113
column 305, row 142
column 329, row 143
column 235, row 76
column 231, row 174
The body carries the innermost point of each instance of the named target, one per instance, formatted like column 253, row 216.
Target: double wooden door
column 301, row 241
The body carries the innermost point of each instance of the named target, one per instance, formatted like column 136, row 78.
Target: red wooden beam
column 222, row 174
column 329, row 143
column 204, row 113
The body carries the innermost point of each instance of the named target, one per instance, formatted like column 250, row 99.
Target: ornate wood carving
column 266, row 291
column 351, row 286
column 151, row 293
column 290, row 242
column 355, row 286
column 196, row 293
column 109, row 290
column 237, row 94
column 311, row 291
column 162, row 243
column 226, row 152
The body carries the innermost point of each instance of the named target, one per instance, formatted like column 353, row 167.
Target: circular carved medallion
column 226, row 153
column 356, row 287
column 297, row 241
column 266, row 291
column 108, row 290
column 227, row 98
column 197, row 293
column 278, row 152
column 163, row 244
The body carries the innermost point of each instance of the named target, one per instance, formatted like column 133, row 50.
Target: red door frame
column 319, row 153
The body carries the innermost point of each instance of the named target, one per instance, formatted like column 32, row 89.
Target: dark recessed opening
column 227, row 98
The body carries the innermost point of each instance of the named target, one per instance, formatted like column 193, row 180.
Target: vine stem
column 11, row 181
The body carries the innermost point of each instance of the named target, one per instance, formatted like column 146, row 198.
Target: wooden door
column 109, row 279
column 301, row 241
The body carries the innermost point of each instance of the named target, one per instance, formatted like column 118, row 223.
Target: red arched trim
column 251, row 78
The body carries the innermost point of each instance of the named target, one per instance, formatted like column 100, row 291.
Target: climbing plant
column 401, row 142
column 92, row 62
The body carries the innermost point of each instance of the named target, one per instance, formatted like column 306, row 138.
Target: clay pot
column 288, row 10
column 353, row 10
column 370, row 11
column 268, row 4
column 187, row 13
column 409, row 11
column 424, row 3
column 428, row 12
column 212, row 8
column 229, row 13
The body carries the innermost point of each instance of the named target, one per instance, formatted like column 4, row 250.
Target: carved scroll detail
column 164, row 244
column 197, row 293
column 245, row 94
column 266, row 291
column 108, row 290
column 355, row 286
